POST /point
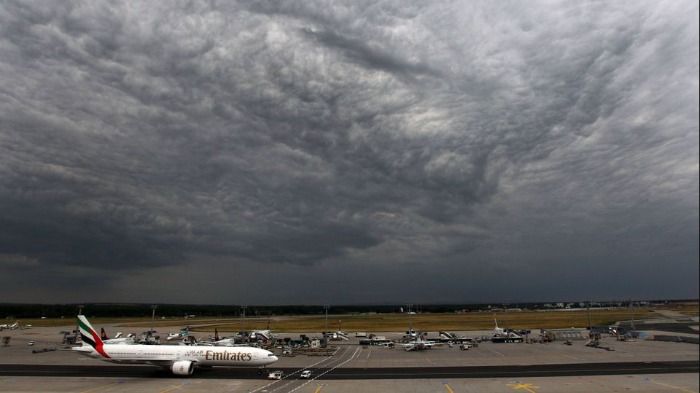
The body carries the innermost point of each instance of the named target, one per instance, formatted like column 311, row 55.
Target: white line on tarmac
column 320, row 375
column 496, row 352
column 290, row 374
column 571, row 357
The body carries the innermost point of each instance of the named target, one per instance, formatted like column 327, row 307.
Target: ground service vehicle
column 275, row 375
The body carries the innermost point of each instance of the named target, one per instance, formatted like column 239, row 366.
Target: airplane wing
column 167, row 363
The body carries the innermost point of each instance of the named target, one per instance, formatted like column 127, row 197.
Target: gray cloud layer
column 348, row 152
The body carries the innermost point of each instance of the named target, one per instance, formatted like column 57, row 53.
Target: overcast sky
column 348, row 152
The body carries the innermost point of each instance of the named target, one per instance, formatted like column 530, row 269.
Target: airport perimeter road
column 331, row 369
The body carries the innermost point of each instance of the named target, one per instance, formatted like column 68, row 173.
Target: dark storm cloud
column 359, row 52
column 203, row 142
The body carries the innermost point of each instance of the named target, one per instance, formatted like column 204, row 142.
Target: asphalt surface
column 540, row 370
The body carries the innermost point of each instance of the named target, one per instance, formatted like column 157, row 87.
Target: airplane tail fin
column 90, row 337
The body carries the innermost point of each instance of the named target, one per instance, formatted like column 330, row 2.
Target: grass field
column 431, row 322
column 391, row 322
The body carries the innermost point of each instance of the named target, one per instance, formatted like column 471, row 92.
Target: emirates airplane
column 180, row 359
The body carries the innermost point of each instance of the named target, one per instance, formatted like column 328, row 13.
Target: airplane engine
column 182, row 367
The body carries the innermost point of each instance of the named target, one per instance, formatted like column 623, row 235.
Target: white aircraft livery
column 179, row 359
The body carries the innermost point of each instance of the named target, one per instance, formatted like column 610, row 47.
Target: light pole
column 325, row 307
column 588, row 307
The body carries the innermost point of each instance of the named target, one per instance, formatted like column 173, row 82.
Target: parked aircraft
column 119, row 338
column 501, row 335
column 410, row 334
column 336, row 336
column 263, row 335
column 13, row 326
column 180, row 360
column 419, row 344
column 183, row 333
column 240, row 339
column 228, row 342
column 232, row 341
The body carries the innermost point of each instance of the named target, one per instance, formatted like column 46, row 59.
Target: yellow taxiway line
column 528, row 387
column 98, row 388
column 667, row 385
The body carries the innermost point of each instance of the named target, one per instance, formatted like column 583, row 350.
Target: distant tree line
column 18, row 310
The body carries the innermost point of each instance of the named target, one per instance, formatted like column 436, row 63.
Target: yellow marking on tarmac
column 318, row 389
column 449, row 389
column 170, row 388
column 96, row 388
column 528, row 387
column 682, row 389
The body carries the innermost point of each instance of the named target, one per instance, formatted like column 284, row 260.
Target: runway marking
column 298, row 371
column 682, row 389
column 356, row 353
column 449, row 389
column 528, row 387
column 318, row 389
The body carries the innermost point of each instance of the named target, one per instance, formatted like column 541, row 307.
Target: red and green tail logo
column 90, row 336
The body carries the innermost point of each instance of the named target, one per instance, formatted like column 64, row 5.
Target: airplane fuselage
column 165, row 354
